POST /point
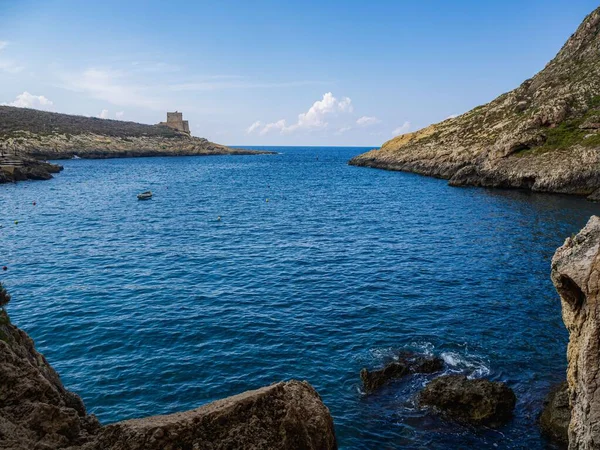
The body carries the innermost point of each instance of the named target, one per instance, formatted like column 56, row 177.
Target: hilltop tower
column 175, row 121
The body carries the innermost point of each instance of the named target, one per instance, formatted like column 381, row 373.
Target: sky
column 272, row 72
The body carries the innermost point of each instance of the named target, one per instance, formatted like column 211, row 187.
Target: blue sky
column 274, row 72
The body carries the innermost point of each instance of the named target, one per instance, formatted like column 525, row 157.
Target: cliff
column 37, row 412
column 576, row 276
column 32, row 134
column 544, row 135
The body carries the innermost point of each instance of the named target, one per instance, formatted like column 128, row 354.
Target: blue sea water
column 315, row 270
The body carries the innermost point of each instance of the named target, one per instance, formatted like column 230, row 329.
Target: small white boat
column 145, row 195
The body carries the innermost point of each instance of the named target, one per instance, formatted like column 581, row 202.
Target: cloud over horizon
column 314, row 118
column 27, row 100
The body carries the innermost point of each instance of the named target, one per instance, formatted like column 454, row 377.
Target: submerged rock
column 556, row 414
column 576, row 276
column 406, row 364
column 37, row 412
column 477, row 402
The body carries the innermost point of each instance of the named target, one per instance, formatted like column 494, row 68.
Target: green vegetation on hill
column 14, row 120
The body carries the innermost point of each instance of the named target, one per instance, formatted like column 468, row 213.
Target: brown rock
column 576, row 276
column 282, row 416
column 478, row 402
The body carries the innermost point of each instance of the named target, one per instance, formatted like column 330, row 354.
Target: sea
column 243, row 271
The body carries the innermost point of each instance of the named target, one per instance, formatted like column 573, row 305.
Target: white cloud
column 7, row 65
column 27, row 100
column 403, row 129
column 342, row 130
column 366, row 121
column 119, row 114
column 279, row 125
column 255, row 126
column 451, row 116
column 103, row 114
column 111, row 86
column 313, row 119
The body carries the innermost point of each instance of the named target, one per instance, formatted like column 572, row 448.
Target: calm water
column 156, row 307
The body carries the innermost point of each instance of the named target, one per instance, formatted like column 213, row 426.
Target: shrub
column 4, row 296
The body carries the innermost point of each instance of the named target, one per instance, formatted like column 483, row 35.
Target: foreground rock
column 283, row 416
column 576, row 276
column 37, row 412
column 477, row 402
column 543, row 136
column 556, row 414
column 46, row 135
column 406, row 364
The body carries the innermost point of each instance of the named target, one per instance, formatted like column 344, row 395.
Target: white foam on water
column 473, row 366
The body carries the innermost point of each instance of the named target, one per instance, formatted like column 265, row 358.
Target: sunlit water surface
column 315, row 270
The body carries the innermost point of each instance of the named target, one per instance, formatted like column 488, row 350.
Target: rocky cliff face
column 544, row 135
column 576, row 276
column 37, row 412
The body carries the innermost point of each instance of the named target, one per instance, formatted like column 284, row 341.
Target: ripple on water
column 155, row 307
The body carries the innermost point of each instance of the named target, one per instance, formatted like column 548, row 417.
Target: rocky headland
column 38, row 413
column 28, row 135
column 543, row 136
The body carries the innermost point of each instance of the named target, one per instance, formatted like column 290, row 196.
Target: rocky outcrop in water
column 26, row 169
column 37, row 412
column 405, row 364
column 477, row 402
column 556, row 414
column 543, row 136
column 576, row 276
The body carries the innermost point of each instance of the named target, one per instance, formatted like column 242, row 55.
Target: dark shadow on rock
column 475, row 402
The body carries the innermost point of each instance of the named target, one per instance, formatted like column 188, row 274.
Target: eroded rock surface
column 282, row 416
column 477, row 402
column 38, row 413
column 576, row 276
column 543, row 136
column 405, row 364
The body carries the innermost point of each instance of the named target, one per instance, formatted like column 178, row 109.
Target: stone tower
column 175, row 121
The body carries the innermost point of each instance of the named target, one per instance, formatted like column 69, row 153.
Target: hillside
column 47, row 135
column 544, row 135
column 14, row 121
